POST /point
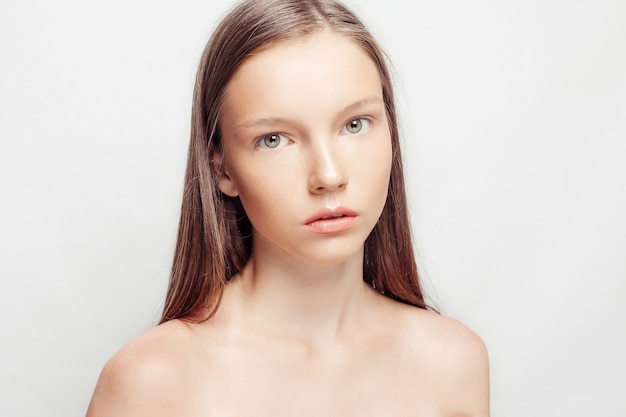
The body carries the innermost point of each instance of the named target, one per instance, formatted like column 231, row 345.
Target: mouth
column 334, row 221
column 336, row 216
column 331, row 214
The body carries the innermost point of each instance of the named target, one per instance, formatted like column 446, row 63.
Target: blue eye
column 355, row 126
column 272, row 141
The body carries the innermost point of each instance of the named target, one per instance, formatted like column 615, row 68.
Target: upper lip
column 327, row 213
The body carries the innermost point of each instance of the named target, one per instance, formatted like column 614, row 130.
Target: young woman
column 294, row 289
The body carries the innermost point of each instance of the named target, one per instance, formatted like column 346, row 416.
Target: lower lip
column 334, row 225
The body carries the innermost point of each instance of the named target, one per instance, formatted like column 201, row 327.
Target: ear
column 225, row 182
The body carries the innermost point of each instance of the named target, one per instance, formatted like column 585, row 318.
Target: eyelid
column 259, row 141
column 367, row 125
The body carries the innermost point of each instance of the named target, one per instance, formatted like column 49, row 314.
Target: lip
column 330, row 221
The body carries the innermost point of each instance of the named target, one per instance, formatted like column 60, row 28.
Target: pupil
column 272, row 141
column 354, row 126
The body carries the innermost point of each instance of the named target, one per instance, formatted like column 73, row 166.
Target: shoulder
column 445, row 334
column 145, row 376
column 456, row 358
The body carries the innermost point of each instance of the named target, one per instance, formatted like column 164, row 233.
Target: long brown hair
column 214, row 235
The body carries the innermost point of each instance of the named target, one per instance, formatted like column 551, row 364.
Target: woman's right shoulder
column 147, row 376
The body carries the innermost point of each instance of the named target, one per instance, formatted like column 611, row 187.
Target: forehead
column 308, row 77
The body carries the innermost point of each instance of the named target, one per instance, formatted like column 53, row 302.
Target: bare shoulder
column 145, row 376
column 445, row 334
column 453, row 357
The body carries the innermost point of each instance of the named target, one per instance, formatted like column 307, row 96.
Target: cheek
column 375, row 167
column 379, row 177
column 382, row 179
column 265, row 194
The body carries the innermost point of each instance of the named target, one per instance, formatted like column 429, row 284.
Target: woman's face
column 307, row 148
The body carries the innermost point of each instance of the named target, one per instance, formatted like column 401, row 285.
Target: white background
column 514, row 122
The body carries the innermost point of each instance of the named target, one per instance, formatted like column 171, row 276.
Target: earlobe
column 224, row 181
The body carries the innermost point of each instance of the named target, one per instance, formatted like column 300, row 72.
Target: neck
column 300, row 299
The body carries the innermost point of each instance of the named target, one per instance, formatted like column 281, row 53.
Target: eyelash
column 261, row 142
column 365, row 123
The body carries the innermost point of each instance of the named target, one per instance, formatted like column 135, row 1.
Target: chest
column 287, row 385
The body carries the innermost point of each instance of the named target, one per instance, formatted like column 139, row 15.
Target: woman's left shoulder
column 445, row 334
column 450, row 355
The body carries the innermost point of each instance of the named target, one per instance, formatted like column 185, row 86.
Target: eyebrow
column 268, row 121
column 362, row 102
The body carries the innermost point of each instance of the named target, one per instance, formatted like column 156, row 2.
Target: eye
column 358, row 125
column 272, row 141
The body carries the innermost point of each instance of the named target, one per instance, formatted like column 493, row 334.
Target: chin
column 332, row 255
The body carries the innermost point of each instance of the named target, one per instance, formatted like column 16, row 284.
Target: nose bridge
column 328, row 172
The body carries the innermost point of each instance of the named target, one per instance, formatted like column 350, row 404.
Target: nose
column 328, row 172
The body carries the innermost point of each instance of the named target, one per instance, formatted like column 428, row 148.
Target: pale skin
column 298, row 332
